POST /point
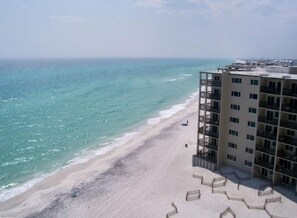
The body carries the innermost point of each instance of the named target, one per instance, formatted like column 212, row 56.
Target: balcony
column 268, row 121
column 290, row 92
column 264, row 164
column 288, row 124
column 263, row 149
column 211, row 83
column 267, row 105
column 212, row 134
column 288, row 108
column 211, row 146
column 209, row 132
column 201, row 142
column 287, row 140
column 287, row 155
column 208, row 120
column 210, row 95
column 284, row 171
column 266, row 135
column 270, row 90
column 207, row 156
column 209, row 108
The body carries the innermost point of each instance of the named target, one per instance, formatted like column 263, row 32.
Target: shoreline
column 99, row 149
column 54, row 184
column 142, row 178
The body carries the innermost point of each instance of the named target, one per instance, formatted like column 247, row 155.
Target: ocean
column 58, row 112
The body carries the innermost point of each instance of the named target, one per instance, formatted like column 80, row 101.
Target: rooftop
column 279, row 69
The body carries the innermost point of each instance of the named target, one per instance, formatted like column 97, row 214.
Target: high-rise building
column 248, row 119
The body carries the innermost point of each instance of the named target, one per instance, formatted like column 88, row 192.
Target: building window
column 249, row 150
column 276, row 114
column 290, row 132
column 254, row 82
column 289, row 148
column 236, row 80
column 234, row 120
column 253, row 96
column 235, row 94
column 250, row 137
column 251, row 124
column 292, row 117
column 231, row 157
column 232, row 145
column 248, row 163
column 216, row 78
column 252, row 110
column 235, row 107
column 233, row 132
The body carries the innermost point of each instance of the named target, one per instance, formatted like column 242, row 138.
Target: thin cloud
column 152, row 3
column 68, row 18
column 223, row 7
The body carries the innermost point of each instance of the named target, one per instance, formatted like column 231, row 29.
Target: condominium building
column 248, row 119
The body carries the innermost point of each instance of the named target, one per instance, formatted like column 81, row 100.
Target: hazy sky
column 148, row 28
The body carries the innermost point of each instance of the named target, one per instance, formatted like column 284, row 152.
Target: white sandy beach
column 142, row 178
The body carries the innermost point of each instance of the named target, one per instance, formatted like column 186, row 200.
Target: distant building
column 248, row 119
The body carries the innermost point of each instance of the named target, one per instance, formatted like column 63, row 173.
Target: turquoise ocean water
column 52, row 112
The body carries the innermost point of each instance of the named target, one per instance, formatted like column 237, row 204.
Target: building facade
column 248, row 119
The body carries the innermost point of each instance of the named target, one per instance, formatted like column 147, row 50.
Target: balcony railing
column 270, row 90
column 209, row 132
column 283, row 170
column 268, row 121
column 287, row 140
column 261, row 148
column 287, row 155
column 289, row 92
column 208, row 120
column 211, row 146
column 209, row 108
column 289, row 108
column 210, row 95
column 266, row 135
column 211, row 83
column 267, row 105
column 263, row 163
column 288, row 124
column 207, row 156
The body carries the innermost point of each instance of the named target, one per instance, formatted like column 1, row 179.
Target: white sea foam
column 195, row 94
column 170, row 80
column 13, row 189
column 164, row 114
column 104, row 148
column 178, row 78
column 186, row 74
column 10, row 99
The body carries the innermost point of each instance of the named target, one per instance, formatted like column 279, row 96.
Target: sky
column 148, row 28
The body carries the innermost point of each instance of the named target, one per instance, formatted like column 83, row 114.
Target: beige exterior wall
column 243, row 116
column 273, row 151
